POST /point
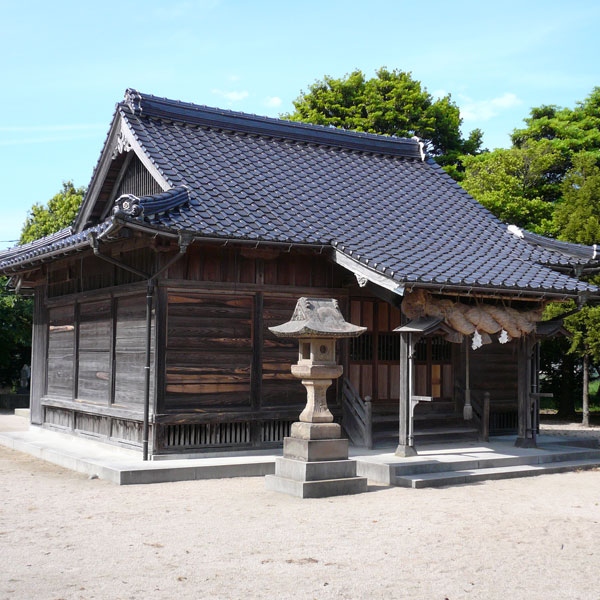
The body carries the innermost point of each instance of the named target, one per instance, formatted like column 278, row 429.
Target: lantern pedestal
column 315, row 460
column 315, row 468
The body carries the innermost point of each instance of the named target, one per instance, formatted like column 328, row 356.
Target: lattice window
column 361, row 348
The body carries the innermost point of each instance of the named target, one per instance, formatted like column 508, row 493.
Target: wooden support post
column 368, row 423
column 485, row 425
column 405, row 447
column 526, row 425
column 467, row 408
column 39, row 356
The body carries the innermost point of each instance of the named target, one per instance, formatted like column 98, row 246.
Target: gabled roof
column 372, row 198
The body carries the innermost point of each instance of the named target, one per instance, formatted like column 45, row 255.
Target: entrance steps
column 452, row 465
column 437, row 425
column 471, row 476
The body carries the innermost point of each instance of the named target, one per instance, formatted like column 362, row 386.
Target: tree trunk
column 586, row 391
column 566, row 398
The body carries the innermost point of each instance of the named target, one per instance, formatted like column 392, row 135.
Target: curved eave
column 65, row 249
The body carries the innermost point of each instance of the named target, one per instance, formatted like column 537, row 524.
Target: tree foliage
column 570, row 131
column 15, row 333
column 512, row 184
column 577, row 217
column 391, row 103
column 16, row 310
column 59, row 213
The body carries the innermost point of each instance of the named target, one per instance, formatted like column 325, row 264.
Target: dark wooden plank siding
column 130, row 351
column 493, row 368
column 61, row 345
column 246, row 265
column 209, row 351
column 279, row 387
column 95, row 336
column 137, row 180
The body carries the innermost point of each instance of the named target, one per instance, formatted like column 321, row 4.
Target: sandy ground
column 571, row 429
column 64, row 536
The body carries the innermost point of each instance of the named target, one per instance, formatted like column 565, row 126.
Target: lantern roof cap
column 317, row 318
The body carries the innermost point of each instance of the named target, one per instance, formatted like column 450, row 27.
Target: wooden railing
column 481, row 413
column 480, row 403
column 357, row 416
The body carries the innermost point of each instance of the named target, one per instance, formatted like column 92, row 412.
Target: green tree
column 585, row 343
column 16, row 310
column 577, row 217
column 59, row 213
column 513, row 184
column 391, row 103
column 569, row 130
column 15, row 333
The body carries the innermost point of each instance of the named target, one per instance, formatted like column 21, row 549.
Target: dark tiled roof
column 57, row 244
column 165, row 201
column 573, row 253
column 393, row 212
column 371, row 197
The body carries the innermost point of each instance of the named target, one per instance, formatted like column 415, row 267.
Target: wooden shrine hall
column 202, row 227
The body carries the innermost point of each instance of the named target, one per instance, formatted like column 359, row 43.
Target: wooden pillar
column 525, row 425
column 404, row 443
column 39, row 356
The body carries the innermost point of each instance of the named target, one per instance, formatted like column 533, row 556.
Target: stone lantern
column 315, row 457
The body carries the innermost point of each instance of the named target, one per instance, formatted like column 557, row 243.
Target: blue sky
column 66, row 64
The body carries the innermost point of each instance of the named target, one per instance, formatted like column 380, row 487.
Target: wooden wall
column 94, row 380
column 493, row 368
column 209, row 351
column 374, row 356
column 221, row 378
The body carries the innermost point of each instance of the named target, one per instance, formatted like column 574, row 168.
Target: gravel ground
column 570, row 429
column 63, row 536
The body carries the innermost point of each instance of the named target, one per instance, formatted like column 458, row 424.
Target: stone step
column 451, row 430
column 438, row 435
column 472, row 463
column 445, row 478
column 316, row 489
column 433, row 419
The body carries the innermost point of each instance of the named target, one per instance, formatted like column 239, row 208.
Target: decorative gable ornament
column 128, row 205
column 123, row 145
column 361, row 280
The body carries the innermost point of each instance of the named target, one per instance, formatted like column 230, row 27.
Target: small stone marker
column 315, row 457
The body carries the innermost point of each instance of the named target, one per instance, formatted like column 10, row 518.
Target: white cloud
column 233, row 77
column 483, row 110
column 231, row 96
column 273, row 101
